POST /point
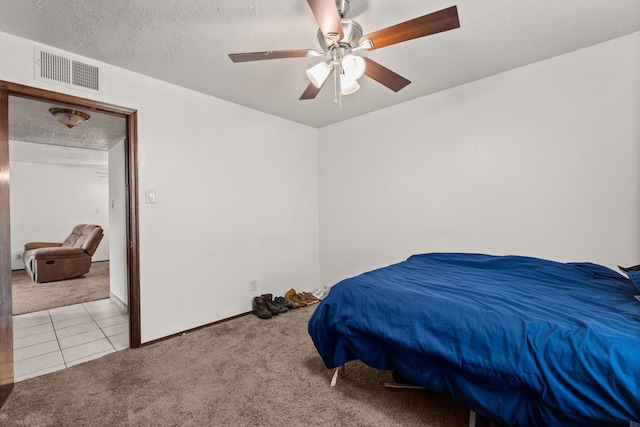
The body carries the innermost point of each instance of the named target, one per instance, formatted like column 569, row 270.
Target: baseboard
column 119, row 302
column 177, row 334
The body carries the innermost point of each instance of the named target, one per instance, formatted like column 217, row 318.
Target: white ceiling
column 31, row 121
column 188, row 42
column 35, row 136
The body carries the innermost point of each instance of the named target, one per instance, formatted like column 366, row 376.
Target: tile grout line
column 100, row 327
column 57, row 338
column 29, row 375
column 55, row 332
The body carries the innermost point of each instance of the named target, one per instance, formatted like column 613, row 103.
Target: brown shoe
column 260, row 308
column 311, row 297
column 293, row 298
column 271, row 306
column 302, row 297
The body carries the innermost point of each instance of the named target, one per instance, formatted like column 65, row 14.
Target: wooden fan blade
column 326, row 13
column 436, row 22
column 384, row 76
column 269, row 54
column 310, row 92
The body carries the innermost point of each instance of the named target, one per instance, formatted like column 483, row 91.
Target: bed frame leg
column 472, row 418
column 335, row 375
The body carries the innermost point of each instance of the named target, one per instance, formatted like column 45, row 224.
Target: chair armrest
column 57, row 253
column 36, row 245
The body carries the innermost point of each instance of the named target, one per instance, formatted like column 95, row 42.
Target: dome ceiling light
column 69, row 117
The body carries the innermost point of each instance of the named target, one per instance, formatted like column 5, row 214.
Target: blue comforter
column 522, row 340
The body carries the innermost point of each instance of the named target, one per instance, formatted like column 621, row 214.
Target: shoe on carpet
column 303, row 298
column 283, row 302
column 269, row 299
column 321, row 293
column 312, row 298
column 268, row 302
column 299, row 298
column 294, row 299
column 259, row 308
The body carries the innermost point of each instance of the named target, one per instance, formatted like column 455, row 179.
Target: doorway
column 131, row 213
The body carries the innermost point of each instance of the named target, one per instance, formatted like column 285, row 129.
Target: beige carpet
column 29, row 296
column 243, row 372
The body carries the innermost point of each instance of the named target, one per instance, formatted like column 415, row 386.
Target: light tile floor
column 50, row 340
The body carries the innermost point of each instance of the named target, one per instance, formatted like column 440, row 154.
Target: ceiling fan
column 340, row 37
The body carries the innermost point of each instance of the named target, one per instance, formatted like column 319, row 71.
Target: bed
column 521, row 340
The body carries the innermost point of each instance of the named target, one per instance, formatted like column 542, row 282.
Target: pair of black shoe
column 265, row 306
column 283, row 302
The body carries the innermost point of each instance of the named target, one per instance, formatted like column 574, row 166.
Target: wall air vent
column 65, row 70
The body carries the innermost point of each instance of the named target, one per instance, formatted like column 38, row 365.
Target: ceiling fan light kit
column 339, row 37
column 348, row 85
column 319, row 73
column 354, row 66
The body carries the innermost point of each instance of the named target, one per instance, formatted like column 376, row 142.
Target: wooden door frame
column 131, row 199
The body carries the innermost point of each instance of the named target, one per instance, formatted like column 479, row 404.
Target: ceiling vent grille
column 64, row 70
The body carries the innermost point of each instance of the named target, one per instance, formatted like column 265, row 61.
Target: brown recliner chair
column 47, row 262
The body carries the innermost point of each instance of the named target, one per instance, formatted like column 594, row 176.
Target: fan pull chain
column 337, row 85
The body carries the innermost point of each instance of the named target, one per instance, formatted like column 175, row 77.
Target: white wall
column 237, row 197
column 47, row 201
column 543, row 160
column 117, row 224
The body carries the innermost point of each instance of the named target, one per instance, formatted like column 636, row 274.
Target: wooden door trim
column 6, row 321
column 131, row 191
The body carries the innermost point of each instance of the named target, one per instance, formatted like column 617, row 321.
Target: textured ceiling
column 188, row 42
column 36, row 136
column 31, row 121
